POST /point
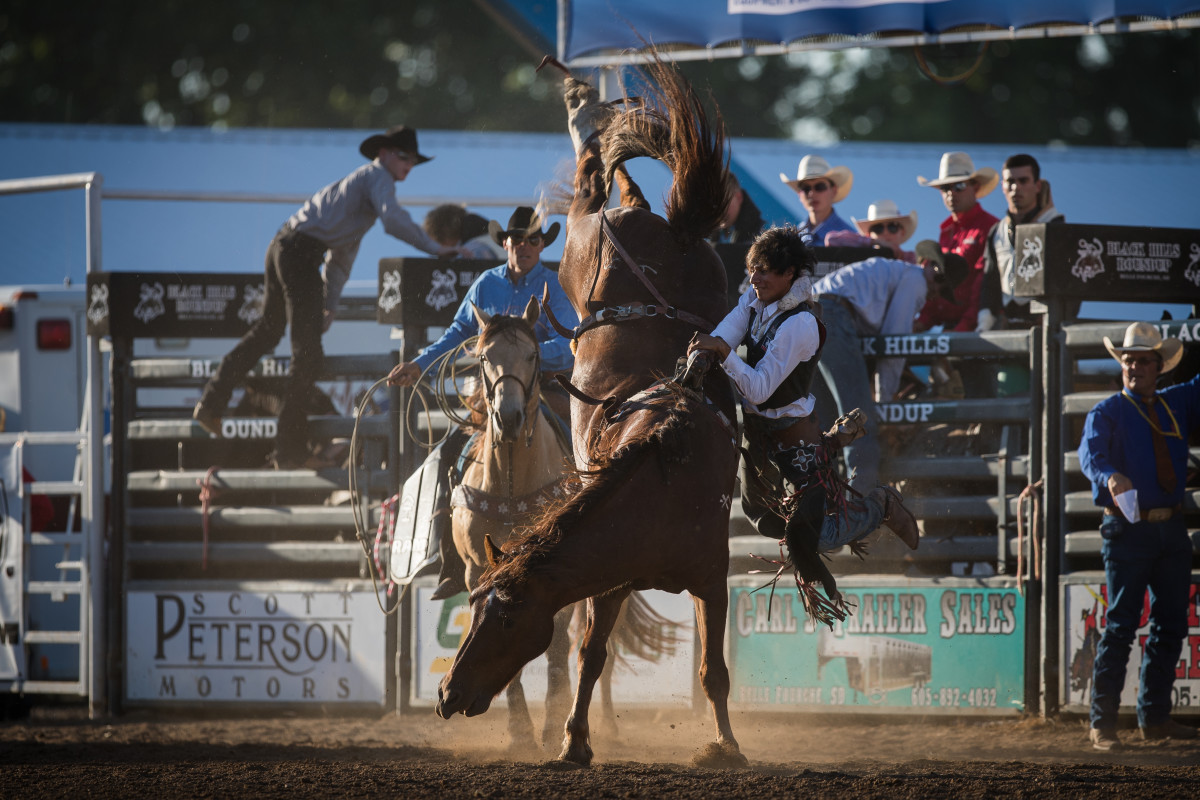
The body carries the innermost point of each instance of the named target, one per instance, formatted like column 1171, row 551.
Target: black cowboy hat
column 524, row 222
column 949, row 269
column 400, row 137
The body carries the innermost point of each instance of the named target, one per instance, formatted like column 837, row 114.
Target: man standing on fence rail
column 1134, row 451
column 327, row 230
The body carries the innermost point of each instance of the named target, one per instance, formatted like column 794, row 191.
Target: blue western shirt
column 815, row 237
column 1117, row 438
column 495, row 293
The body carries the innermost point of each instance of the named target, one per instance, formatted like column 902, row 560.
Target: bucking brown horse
column 655, row 458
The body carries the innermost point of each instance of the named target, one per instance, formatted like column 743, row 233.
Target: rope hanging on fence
column 208, row 493
column 446, row 370
column 1031, row 494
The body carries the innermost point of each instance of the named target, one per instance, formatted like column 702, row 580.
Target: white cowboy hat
column 956, row 166
column 887, row 211
column 814, row 167
column 1142, row 337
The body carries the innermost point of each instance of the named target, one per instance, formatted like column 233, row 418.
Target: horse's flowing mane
column 669, row 437
column 673, row 127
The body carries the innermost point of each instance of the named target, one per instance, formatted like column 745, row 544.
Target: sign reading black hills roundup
column 173, row 304
column 1107, row 262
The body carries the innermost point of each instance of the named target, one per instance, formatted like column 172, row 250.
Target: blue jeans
column 845, row 373
column 1147, row 555
column 859, row 517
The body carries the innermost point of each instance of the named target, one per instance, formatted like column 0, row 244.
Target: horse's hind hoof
column 580, row 756
column 720, row 755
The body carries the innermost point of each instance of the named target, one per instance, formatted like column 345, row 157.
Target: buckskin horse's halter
column 632, row 311
column 507, row 509
column 530, row 389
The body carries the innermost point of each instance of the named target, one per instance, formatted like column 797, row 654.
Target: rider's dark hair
column 779, row 249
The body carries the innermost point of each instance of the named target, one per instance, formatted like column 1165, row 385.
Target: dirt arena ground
column 420, row 756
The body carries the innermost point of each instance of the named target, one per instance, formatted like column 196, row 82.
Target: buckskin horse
column 514, row 464
column 655, row 461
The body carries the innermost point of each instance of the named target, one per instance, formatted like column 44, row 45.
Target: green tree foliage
column 269, row 63
column 1136, row 89
column 448, row 64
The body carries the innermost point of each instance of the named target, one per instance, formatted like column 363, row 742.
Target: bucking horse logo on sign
column 97, row 309
column 441, row 292
column 1089, row 264
column 150, row 304
column 252, row 304
column 1192, row 273
column 1030, row 265
column 389, row 297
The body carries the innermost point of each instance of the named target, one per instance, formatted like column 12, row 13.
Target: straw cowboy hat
column 813, row 167
column 956, row 167
column 887, row 211
column 400, row 137
column 523, row 222
column 950, row 269
column 1142, row 337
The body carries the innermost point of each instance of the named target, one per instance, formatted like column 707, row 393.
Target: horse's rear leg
column 608, row 713
column 558, row 684
column 602, row 613
column 712, row 607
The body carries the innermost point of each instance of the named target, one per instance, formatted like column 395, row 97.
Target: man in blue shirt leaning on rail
column 1137, row 441
column 505, row 289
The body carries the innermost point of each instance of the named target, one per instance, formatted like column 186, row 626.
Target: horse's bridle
column 530, row 388
column 632, row 311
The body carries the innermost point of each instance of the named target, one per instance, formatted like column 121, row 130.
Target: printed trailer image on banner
column 287, row 643
column 1084, row 599
column 667, row 678
column 952, row 645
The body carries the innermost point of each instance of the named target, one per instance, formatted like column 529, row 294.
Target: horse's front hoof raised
column 720, row 755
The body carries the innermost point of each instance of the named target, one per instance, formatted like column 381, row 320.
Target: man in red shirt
column 964, row 233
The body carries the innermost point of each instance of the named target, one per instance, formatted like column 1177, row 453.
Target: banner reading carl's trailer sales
column 950, row 645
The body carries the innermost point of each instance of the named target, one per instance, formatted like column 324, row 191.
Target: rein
column 632, row 311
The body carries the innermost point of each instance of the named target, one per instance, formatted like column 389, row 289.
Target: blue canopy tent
column 597, row 33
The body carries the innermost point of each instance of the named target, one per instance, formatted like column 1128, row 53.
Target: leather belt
column 1150, row 514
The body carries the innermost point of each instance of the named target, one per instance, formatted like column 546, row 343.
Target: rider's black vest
column 798, row 383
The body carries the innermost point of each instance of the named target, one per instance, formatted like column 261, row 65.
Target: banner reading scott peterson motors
column 292, row 643
column 950, row 645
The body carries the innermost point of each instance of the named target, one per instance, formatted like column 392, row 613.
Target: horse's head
column 511, row 624
column 510, row 365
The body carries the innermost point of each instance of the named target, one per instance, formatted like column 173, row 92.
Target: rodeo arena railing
column 238, row 587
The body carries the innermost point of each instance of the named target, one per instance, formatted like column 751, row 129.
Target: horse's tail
column 642, row 632
column 675, row 129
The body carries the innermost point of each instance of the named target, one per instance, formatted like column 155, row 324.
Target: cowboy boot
column 898, row 519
